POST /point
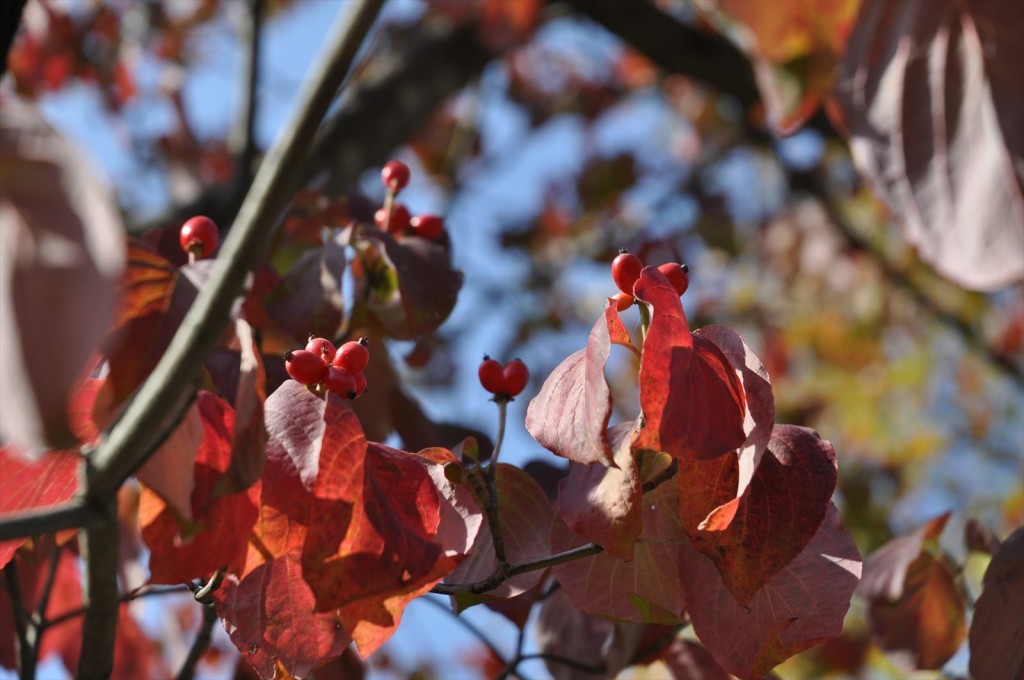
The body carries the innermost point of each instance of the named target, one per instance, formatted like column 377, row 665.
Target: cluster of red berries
column 503, row 381
column 339, row 371
column 626, row 268
column 198, row 237
column 394, row 217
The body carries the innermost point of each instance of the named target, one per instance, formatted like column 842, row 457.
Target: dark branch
column 138, row 594
column 71, row 515
column 99, row 541
column 201, row 643
column 499, row 577
column 26, row 651
column 10, row 19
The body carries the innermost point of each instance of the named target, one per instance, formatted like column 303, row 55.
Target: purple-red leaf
column 924, row 628
column 646, row 589
column 308, row 299
column 689, row 660
column 569, row 633
column 997, row 629
column 569, row 415
column 801, row 606
column 692, row 401
column 885, row 570
column 778, row 515
column 930, row 93
column 169, row 471
column 61, row 252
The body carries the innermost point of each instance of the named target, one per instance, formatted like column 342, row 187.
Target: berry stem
column 389, row 201
column 191, row 256
column 645, row 321
column 502, row 403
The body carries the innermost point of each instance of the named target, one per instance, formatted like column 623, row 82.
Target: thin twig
column 26, row 653
column 152, row 591
column 498, row 578
column 242, row 137
column 662, row 477
column 467, row 624
column 117, row 456
column 70, row 515
column 201, row 643
column 486, row 489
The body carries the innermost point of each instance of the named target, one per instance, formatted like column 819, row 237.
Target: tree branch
column 99, row 541
column 117, row 456
column 70, row 515
column 10, row 19
column 499, row 577
column 201, row 643
column 25, row 646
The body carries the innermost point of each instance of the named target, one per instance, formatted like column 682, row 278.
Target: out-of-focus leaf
column 997, row 628
column 61, row 252
column 924, row 628
column 169, row 471
column 220, row 529
column 27, row 485
column 795, row 46
column 408, row 284
column 885, row 570
column 146, row 284
column 308, row 299
column 778, row 515
column 526, row 517
column 979, row 537
column 930, row 94
column 688, row 660
column 801, row 606
column 567, row 632
column 646, row 589
column 692, row 402
column 569, row 416
column 269, row 616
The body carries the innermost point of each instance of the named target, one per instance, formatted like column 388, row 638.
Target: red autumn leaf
column 646, row 589
column 249, row 441
column 617, row 333
column 997, row 627
column 146, row 283
column 269, row 616
column 924, row 628
column 757, row 392
column 27, row 485
column 885, row 570
column 526, row 517
column 308, row 298
column 460, row 515
column 221, row 525
column 568, row 633
column 689, row 660
column 930, row 93
column 692, row 402
column 603, row 504
column 61, row 252
column 801, row 606
column 569, row 415
column 778, row 515
column 169, row 472
column 408, row 284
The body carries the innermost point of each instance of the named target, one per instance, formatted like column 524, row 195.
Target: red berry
column 516, row 375
column 623, row 301
column 491, row 376
column 360, row 379
column 399, row 221
column 429, row 227
column 626, row 268
column 353, row 356
column 199, row 235
column 304, row 366
column 677, row 275
column 395, row 175
column 341, row 382
column 321, row 346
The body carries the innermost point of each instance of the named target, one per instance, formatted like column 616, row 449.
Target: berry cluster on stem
column 626, row 269
column 504, row 382
column 393, row 217
column 340, row 371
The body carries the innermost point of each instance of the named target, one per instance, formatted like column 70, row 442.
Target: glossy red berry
column 623, row 301
column 516, row 376
column 399, row 221
column 429, row 227
column 353, row 356
column 360, row 379
column 322, row 347
column 395, row 175
column 677, row 274
column 199, row 235
column 626, row 268
column 491, row 376
column 304, row 366
column 341, row 382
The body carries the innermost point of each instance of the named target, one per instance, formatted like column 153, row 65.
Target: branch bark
column 99, row 540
